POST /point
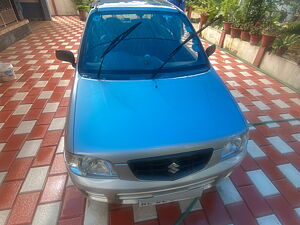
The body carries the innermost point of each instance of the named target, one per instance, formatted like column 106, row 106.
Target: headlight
column 89, row 166
column 236, row 145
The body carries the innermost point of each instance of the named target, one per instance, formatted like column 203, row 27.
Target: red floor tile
column 15, row 142
column 38, row 132
column 269, row 168
column 214, row 209
column 6, row 159
column 239, row 177
column 13, row 121
column 58, row 165
column 54, row 188
column 284, row 212
column 24, row 208
column 44, row 156
column 8, row 193
column 72, row 221
column 168, row 213
column 52, row 138
column 122, row 216
column 149, row 222
column 73, row 203
column 255, row 202
column 240, row 214
column 5, row 134
column 196, row 218
column 19, row 169
column 290, row 193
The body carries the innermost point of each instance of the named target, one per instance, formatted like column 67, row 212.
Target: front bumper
column 132, row 192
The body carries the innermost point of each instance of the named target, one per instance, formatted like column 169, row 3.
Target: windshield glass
column 142, row 52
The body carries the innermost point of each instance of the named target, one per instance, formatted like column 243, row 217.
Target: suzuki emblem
column 173, row 168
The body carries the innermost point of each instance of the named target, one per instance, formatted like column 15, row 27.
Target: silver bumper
column 132, row 192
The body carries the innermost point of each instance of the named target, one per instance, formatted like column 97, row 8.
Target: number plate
column 176, row 196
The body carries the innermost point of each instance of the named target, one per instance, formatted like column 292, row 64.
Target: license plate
column 176, row 196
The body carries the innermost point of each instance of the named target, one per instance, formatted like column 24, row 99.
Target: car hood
column 127, row 116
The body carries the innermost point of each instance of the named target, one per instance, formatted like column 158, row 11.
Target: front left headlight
column 236, row 145
column 89, row 166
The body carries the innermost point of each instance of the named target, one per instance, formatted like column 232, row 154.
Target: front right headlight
column 89, row 166
column 236, row 145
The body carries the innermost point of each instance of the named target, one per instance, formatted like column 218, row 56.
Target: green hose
column 187, row 211
column 192, row 204
column 273, row 121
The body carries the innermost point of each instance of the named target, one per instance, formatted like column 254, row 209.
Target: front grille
column 170, row 167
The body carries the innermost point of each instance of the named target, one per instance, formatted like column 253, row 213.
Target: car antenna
column 191, row 36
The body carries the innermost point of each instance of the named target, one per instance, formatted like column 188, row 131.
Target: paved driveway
column 34, row 183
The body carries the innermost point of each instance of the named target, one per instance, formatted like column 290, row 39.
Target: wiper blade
column 114, row 43
column 191, row 36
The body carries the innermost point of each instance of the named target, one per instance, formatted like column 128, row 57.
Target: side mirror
column 67, row 56
column 210, row 50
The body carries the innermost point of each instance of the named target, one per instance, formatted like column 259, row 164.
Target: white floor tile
column 40, row 84
column 254, row 151
column 261, row 105
column 292, row 174
column 250, row 82
column 96, row 213
column 296, row 136
column 296, row 100
column 265, row 81
column 272, row 91
column 281, row 104
column 233, row 83
column 228, row 192
column 67, row 94
column 262, row 183
column 22, row 109
column 1, row 145
column 297, row 210
column 63, row 83
column 144, row 213
column 268, row 220
column 4, row 216
column 61, row 145
column 236, row 94
column 288, row 90
column 254, row 92
column 47, row 214
column 289, row 116
column 19, row 96
column 35, row 179
column 2, row 176
column 280, row 145
column 230, row 74
column 51, row 107
column 267, row 118
column 246, row 74
column 45, row 95
column 57, row 124
column 30, row 148
column 25, row 127
column 243, row 107
column 58, row 74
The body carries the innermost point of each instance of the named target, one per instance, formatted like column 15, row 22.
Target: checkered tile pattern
column 34, row 184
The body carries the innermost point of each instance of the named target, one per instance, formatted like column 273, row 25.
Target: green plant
column 292, row 27
column 256, row 30
column 83, row 5
column 228, row 8
column 282, row 43
column 246, row 26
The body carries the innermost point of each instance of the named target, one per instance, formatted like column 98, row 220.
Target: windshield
column 144, row 50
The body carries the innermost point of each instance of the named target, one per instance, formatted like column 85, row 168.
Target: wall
column 282, row 69
column 62, row 7
column 13, row 33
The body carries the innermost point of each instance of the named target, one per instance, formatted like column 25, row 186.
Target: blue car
column 150, row 121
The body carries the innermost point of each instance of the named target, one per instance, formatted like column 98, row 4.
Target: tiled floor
column 35, row 189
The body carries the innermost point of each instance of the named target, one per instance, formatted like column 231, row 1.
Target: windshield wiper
column 114, row 43
column 191, row 36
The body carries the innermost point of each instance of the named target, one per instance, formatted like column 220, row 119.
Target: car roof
column 161, row 5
